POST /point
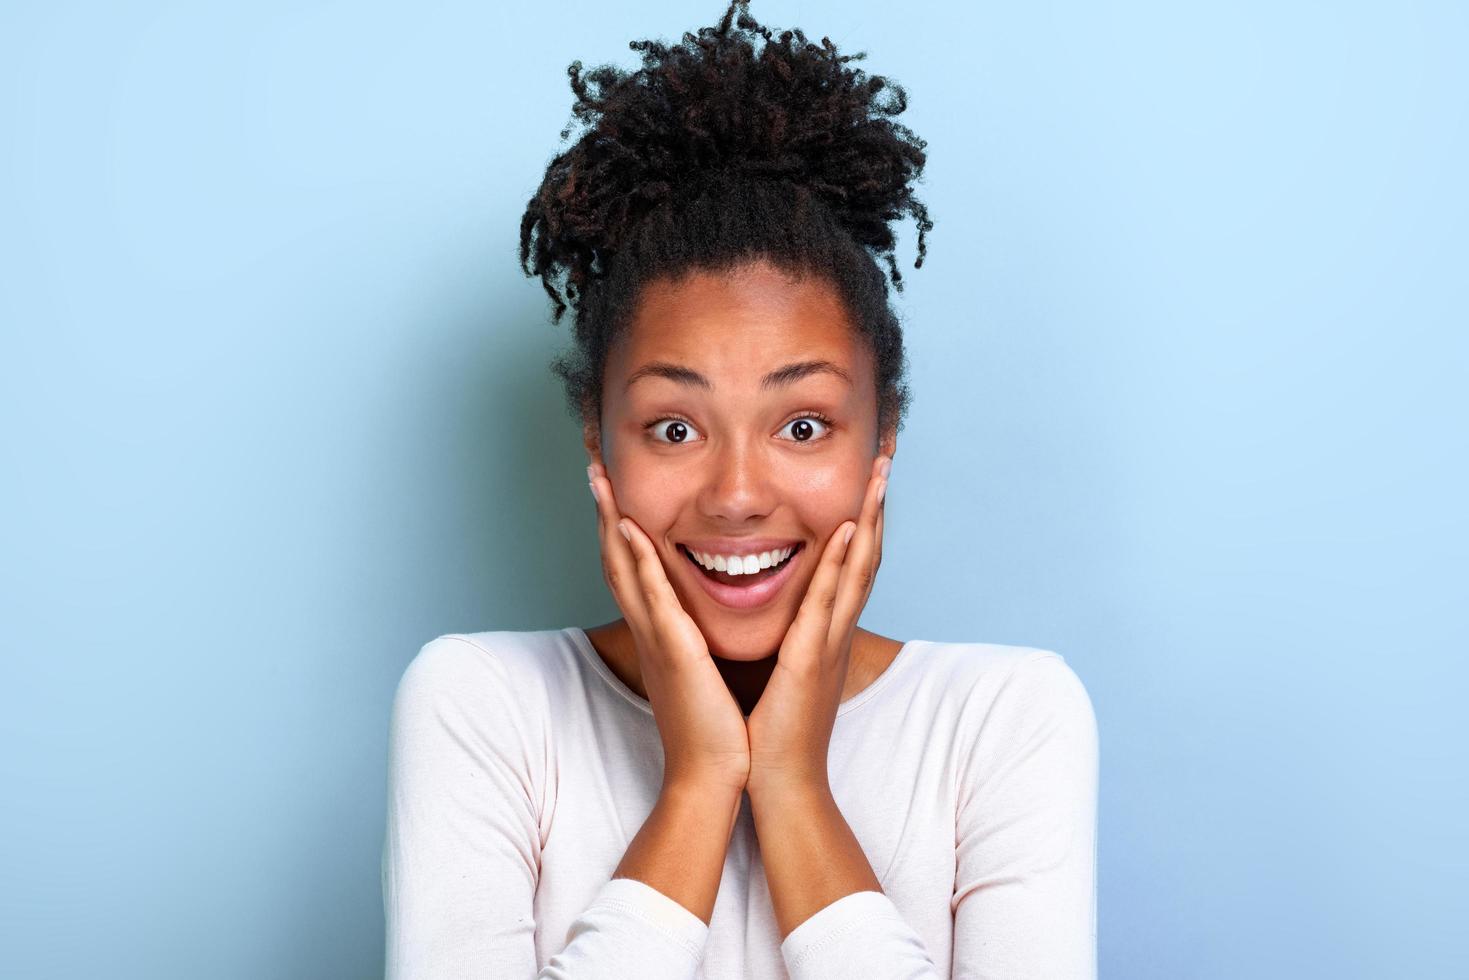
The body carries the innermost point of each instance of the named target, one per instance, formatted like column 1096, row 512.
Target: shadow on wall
column 468, row 512
column 519, row 508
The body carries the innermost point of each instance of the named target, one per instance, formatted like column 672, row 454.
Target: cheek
column 649, row 498
column 826, row 496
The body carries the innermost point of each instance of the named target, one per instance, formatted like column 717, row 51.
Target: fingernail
column 622, row 526
column 882, row 489
column 590, row 475
column 850, row 531
column 886, row 466
column 595, row 495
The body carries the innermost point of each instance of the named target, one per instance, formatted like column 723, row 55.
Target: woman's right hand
column 705, row 744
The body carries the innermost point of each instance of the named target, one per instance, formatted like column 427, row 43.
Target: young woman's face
column 722, row 434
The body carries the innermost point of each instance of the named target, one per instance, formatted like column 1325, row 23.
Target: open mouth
column 744, row 579
column 752, row 590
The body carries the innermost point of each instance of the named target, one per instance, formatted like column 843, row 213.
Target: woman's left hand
column 790, row 728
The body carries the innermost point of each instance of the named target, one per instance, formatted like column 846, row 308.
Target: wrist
column 789, row 789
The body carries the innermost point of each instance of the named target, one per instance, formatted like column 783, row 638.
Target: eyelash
column 830, row 426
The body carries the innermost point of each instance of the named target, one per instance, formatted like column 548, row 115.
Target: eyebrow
column 780, row 377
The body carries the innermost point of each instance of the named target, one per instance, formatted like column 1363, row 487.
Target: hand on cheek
column 790, row 728
column 705, row 744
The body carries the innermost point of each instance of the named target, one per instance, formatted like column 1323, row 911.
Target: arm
column 1025, row 830
column 811, row 856
column 652, row 919
column 680, row 849
column 833, row 917
column 461, row 854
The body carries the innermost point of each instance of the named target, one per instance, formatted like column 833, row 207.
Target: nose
column 737, row 485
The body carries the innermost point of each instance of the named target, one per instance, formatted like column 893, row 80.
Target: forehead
column 738, row 323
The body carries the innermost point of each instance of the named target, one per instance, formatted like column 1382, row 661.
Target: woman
column 733, row 779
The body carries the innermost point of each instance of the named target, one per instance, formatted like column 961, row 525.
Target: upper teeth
column 742, row 564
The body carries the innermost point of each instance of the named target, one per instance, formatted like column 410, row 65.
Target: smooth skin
column 703, row 667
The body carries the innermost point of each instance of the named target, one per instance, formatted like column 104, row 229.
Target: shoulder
column 476, row 672
column 1001, row 691
column 984, row 669
column 1026, row 725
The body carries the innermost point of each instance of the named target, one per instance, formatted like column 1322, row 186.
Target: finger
column 619, row 567
column 675, row 631
column 877, row 557
column 806, row 637
column 859, row 568
column 654, row 588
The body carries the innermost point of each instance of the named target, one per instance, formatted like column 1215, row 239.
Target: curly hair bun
column 720, row 106
column 732, row 143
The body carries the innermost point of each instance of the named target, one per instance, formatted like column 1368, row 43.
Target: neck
column 746, row 679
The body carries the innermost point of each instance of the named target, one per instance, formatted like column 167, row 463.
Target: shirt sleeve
column 461, row 852
column 859, row 935
column 1025, row 831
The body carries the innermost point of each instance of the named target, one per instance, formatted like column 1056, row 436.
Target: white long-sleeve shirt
column 520, row 768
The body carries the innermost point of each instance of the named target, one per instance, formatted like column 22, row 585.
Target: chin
column 730, row 641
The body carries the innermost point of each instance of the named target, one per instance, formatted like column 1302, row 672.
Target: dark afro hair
column 713, row 154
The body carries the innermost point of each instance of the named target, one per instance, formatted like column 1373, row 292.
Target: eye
column 677, row 430
column 803, row 428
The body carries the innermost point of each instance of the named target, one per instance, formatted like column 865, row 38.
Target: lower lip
column 745, row 596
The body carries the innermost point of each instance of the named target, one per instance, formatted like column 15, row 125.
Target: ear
column 887, row 443
column 591, row 440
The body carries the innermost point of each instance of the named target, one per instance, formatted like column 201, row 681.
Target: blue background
column 1189, row 364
